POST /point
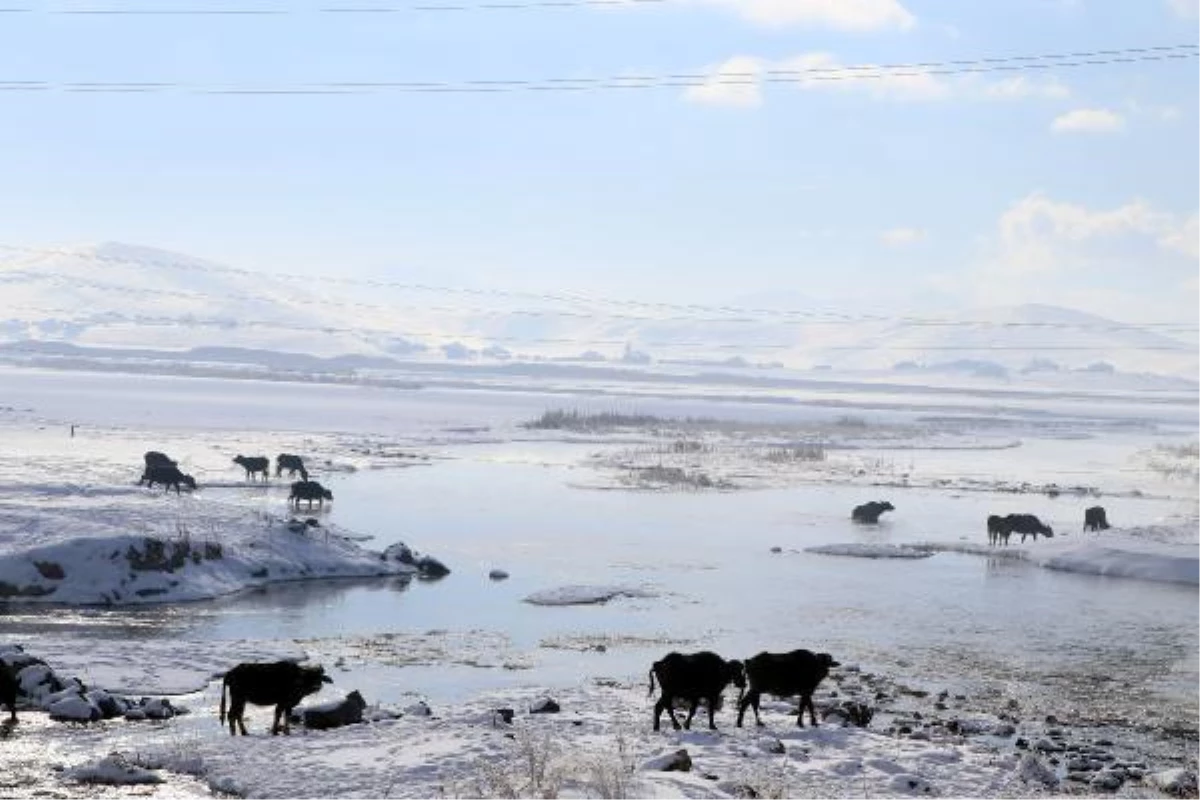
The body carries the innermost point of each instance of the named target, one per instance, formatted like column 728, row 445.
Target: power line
column 685, row 313
column 365, row 9
column 817, row 74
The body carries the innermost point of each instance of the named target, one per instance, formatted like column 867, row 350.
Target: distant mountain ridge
column 128, row 297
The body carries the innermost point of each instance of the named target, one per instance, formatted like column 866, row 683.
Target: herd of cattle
column 690, row 678
column 703, row 676
column 162, row 469
column 999, row 529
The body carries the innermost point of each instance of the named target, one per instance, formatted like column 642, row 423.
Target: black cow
column 254, row 465
column 168, row 477
column 1095, row 519
column 153, row 458
column 869, row 512
column 1027, row 525
column 282, row 684
column 998, row 530
column 8, row 690
column 347, row 711
column 785, row 674
column 693, row 677
column 309, row 490
column 292, row 464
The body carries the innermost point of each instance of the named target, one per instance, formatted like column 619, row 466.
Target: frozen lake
column 956, row 621
column 1117, row 656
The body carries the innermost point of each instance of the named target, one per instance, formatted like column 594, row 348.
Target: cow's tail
column 651, row 684
column 224, row 684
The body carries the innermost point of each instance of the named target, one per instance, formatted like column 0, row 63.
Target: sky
column 913, row 193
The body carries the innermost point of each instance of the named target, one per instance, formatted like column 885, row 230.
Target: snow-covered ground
column 70, row 505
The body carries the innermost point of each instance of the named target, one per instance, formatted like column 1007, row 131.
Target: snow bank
column 85, row 559
column 1132, row 553
column 870, row 550
column 583, row 594
column 115, row 770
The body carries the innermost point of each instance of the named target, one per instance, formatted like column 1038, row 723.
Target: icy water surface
column 1102, row 649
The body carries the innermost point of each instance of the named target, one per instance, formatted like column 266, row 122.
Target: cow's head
column 735, row 672
column 189, row 481
column 1048, row 532
column 827, row 661
column 328, row 495
column 886, row 506
column 311, row 679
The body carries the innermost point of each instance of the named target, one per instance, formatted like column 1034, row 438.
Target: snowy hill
column 124, row 296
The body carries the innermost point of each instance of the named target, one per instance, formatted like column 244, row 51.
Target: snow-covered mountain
column 126, row 296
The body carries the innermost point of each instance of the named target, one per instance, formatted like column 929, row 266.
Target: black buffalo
column 8, row 691
column 347, row 711
column 1095, row 519
column 168, row 477
column 693, row 677
column 998, row 530
column 292, row 464
column 153, row 458
column 254, row 465
column 309, row 490
column 869, row 512
column 282, row 684
column 785, row 674
column 1027, row 525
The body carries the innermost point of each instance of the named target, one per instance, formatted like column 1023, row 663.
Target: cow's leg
column 750, row 700
column 712, row 710
column 807, row 702
column 275, row 721
column 658, row 709
column 687, row 723
column 668, row 702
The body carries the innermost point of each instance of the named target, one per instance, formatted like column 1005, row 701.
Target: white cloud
column 1189, row 9
column 1088, row 120
column 736, row 83
column 1123, row 262
column 900, row 237
column 740, row 82
column 1184, row 239
column 844, row 15
column 1020, row 87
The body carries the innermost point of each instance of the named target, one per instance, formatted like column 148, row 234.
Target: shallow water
column 1098, row 648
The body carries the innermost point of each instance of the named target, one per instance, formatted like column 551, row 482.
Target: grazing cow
column 1094, row 519
column 998, row 530
column 1027, row 525
column 347, row 711
column 168, row 477
column 309, row 490
column 869, row 512
column 8, row 690
column 693, row 677
column 253, row 465
column 292, row 464
column 153, row 458
column 785, row 674
column 282, row 684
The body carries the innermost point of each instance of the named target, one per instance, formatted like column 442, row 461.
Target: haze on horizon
column 918, row 193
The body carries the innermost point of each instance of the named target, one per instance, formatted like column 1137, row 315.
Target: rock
column 920, row 736
column 498, row 575
column 1031, row 769
column 76, row 708
column 910, row 784
column 1051, row 719
column 1179, row 782
column 505, row 715
column 1048, row 746
column 1004, row 729
column 1107, row 780
column 399, row 552
column 677, row 761
column 776, row 549
column 109, row 706
column 547, row 705
column 430, row 567
column 769, row 744
column 1021, row 743
column 419, row 709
